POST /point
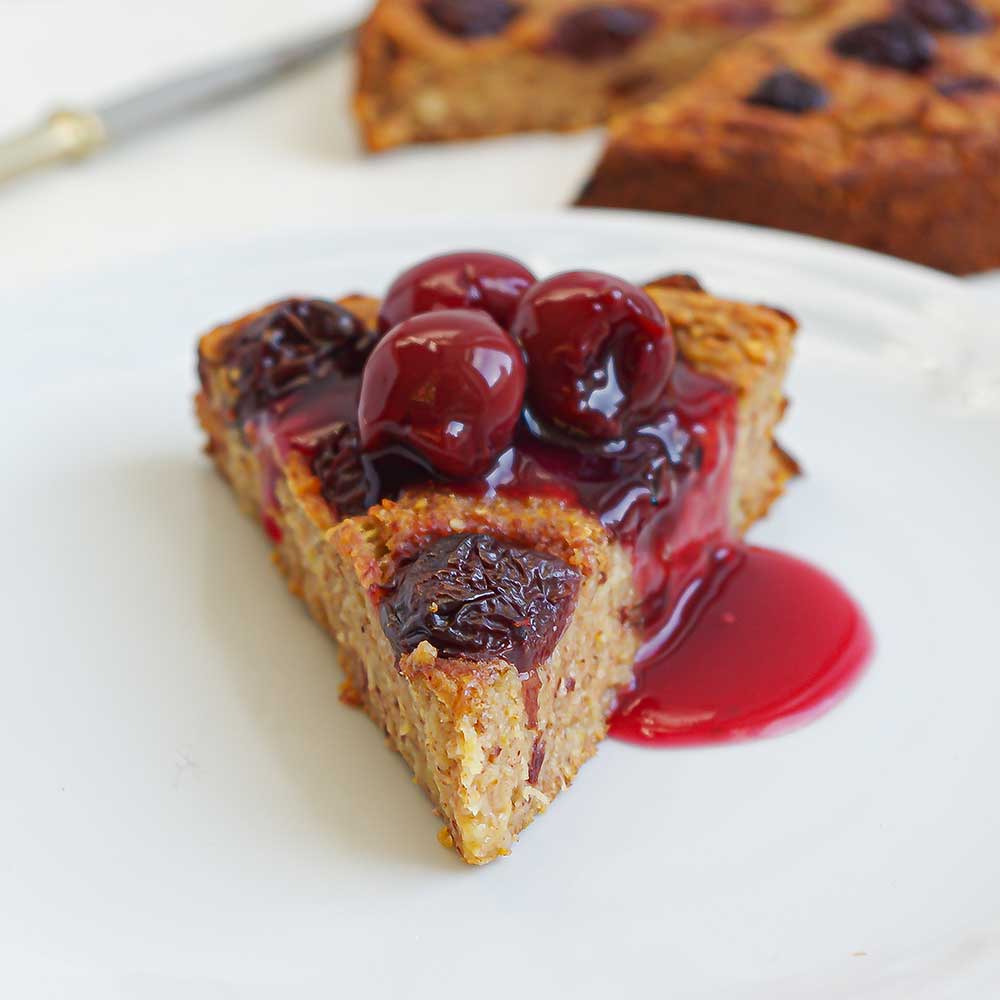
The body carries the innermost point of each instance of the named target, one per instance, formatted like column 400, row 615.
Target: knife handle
column 66, row 135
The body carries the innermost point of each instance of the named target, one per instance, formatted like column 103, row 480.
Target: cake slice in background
column 877, row 124
column 432, row 70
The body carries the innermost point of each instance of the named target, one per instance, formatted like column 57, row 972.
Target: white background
column 279, row 159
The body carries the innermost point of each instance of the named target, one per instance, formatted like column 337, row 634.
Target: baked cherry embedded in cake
column 474, row 596
column 600, row 31
column 688, row 282
column 898, row 42
column 789, row 91
column 287, row 346
column 471, row 18
column 959, row 17
column 510, row 533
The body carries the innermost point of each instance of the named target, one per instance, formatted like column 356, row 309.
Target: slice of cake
column 431, row 70
column 876, row 124
column 488, row 490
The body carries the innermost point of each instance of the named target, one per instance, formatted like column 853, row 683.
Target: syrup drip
column 759, row 645
column 297, row 422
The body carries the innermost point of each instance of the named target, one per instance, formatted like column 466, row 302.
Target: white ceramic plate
column 188, row 811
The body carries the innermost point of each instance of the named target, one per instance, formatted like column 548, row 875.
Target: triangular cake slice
column 487, row 626
column 434, row 70
column 876, row 124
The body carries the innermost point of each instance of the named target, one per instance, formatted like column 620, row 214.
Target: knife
column 75, row 133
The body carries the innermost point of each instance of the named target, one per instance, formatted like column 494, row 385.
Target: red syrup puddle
column 762, row 644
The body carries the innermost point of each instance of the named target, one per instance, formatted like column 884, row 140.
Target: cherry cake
column 497, row 492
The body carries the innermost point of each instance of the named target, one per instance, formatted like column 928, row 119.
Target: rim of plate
column 768, row 245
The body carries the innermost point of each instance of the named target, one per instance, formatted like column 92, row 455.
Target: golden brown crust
column 418, row 83
column 891, row 163
column 734, row 341
column 748, row 346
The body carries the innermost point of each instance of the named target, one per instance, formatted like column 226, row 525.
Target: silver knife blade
column 174, row 97
column 75, row 133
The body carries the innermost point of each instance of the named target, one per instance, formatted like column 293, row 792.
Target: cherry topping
column 897, row 42
column 448, row 385
column 295, row 342
column 471, row 18
column 601, row 31
column 789, row 91
column 479, row 597
column 956, row 86
column 955, row 16
column 472, row 280
column 599, row 352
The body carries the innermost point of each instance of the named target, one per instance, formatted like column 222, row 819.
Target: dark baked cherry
column 449, row 385
column 468, row 280
column 898, row 42
column 479, row 597
column 685, row 282
column 634, row 86
column 601, row 31
column 956, row 86
column 958, row 17
column 471, row 18
column 291, row 344
column 789, row 91
column 338, row 467
column 599, row 352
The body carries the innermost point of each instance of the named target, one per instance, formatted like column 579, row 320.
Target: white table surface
column 282, row 158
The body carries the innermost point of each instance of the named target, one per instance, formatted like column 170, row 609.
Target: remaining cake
column 431, row 70
column 489, row 521
column 877, row 124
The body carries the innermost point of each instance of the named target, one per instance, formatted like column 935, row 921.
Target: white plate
column 188, row 811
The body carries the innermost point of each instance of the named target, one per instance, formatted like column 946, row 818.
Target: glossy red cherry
column 468, row 280
column 599, row 352
column 448, row 385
